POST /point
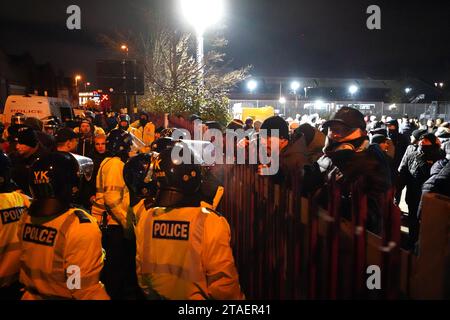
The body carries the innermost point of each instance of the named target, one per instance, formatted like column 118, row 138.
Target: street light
column 294, row 87
column 251, row 85
column 201, row 14
column 408, row 90
column 77, row 78
column 124, row 47
column 353, row 89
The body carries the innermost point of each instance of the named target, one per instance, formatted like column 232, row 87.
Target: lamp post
column 201, row 14
column 251, row 86
column 294, row 87
column 77, row 78
column 283, row 103
column 125, row 49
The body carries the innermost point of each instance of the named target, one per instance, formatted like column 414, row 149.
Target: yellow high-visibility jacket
column 185, row 253
column 112, row 194
column 146, row 133
column 61, row 257
column 12, row 206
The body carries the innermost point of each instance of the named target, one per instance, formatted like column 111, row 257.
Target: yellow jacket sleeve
column 221, row 274
column 84, row 250
column 114, row 191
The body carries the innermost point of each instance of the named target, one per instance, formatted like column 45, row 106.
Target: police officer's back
column 61, row 245
column 12, row 205
column 183, row 250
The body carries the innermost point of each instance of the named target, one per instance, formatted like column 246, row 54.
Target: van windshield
column 62, row 108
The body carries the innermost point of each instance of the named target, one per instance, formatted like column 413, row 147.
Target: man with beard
column 348, row 156
column 413, row 173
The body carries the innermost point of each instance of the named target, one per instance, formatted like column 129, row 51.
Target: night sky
column 314, row 38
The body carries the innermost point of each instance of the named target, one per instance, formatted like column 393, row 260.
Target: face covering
column 430, row 153
column 392, row 134
column 143, row 121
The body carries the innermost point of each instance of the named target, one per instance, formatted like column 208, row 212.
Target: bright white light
column 202, row 13
column 295, row 85
column 282, row 100
column 441, row 84
column 251, row 85
column 353, row 89
column 407, row 90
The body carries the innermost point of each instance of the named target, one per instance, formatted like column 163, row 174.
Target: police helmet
column 5, row 173
column 53, row 181
column 119, row 142
column 162, row 143
column 89, row 114
column 18, row 118
column 180, row 173
column 137, row 174
column 124, row 117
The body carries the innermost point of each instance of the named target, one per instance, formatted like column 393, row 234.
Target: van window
column 66, row 113
column 61, row 109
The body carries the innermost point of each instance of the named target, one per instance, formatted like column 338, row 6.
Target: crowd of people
column 105, row 195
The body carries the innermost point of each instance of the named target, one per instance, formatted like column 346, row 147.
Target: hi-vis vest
column 185, row 253
column 61, row 257
column 146, row 134
column 112, row 194
column 12, row 206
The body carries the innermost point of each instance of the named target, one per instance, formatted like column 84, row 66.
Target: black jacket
column 413, row 173
column 370, row 165
column 439, row 181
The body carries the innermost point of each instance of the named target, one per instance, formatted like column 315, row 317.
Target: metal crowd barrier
column 287, row 247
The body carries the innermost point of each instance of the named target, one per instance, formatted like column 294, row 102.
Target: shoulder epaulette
column 209, row 210
column 82, row 217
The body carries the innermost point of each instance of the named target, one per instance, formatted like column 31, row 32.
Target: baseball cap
column 349, row 117
column 276, row 122
column 65, row 134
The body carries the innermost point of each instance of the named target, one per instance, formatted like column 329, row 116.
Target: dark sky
column 279, row 38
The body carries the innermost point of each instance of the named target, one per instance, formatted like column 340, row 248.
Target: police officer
column 183, row 250
column 12, row 205
column 145, row 128
column 10, row 134
column 61, row 254
column 110, row 207
column 137, row 174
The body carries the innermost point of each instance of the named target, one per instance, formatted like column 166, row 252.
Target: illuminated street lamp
column 408, row 90
column 252, row 85
column 124, row 47
column 295, row 85
column 202, row 14
column 77, row 78
column 353, row 89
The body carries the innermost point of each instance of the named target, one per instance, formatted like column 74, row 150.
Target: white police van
column 36, row 106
